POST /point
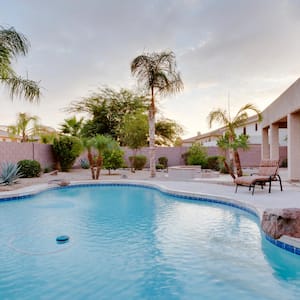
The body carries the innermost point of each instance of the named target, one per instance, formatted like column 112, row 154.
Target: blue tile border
column 174, row 194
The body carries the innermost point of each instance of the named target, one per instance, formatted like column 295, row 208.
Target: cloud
column 246, row 48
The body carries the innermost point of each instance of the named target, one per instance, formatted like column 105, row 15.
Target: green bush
column 67, row 149
column 48, row 169
column 30, row 168
column 213, row 163
column 196, row 155
column 163, row 161
column 113, row 159
column 138, row 162
column 160, row 167
column 284, row 163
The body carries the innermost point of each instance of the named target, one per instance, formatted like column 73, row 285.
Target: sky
column 228, row 52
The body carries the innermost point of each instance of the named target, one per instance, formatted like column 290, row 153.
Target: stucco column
column 265, row 149
column 274, row 141
column 294, row 146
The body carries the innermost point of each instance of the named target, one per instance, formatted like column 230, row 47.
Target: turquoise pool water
column 137, row 243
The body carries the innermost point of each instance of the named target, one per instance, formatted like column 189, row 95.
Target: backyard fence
column 14, row 152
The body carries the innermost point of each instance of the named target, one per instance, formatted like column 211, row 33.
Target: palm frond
column 220, row 116
column 15, row 43
column 20, row 86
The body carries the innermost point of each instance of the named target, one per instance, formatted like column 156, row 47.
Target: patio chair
column 268, row 172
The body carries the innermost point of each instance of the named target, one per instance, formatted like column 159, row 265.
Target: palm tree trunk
column 237, row 161
column 90, row 158
column 99, row 165
column 152, row 135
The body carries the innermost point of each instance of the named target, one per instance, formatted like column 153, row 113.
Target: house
column 252, row 128
column 6, row 137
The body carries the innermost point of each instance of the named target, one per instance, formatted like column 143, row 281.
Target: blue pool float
column 62, row 239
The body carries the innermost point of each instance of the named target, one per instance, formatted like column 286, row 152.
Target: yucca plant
column 10, row 173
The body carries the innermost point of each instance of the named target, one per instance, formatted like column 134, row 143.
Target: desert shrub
column 213, row 163
column 10, row 173
column 138, row 162
column 196, row 155
column 84, row 163
column 67, row 149
column 113, row 159
column 48, row 169
column 29, row 168
column 163, row 161
column 284, row 163
column 160, row 167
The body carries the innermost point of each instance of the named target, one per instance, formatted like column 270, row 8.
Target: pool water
column 129, row 242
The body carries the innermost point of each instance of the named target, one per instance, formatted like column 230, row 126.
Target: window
column 244, row 131
column 256, row 127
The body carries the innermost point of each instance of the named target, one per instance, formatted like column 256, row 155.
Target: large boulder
column 284, row 221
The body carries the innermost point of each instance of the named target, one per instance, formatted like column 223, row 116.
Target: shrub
column 138, row 162
column 160, row 167
column 48, row 169
column 113, row 159
column 284, row 163
column 29, row 168
column 163, row 161
column 66, row 149
column 213, row 163
column 196, row 155
column 10, row 173
column 84, row 163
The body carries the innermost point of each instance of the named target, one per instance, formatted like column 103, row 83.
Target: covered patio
column 284, row 112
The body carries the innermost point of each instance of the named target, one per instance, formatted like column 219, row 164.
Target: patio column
column 294, row 146
column 265, row 149
column 274, row 141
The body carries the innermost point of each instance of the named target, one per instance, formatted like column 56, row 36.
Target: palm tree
column 22, row 126
column 13, row 44
column 240, row 119
column 100, row 143
column 157, row 73
column 72, row 127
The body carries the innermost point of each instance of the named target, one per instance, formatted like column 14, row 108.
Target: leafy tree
column 157, row 73
column 67, row 149
column 167, row 132
column 113, row 158
column 13, row 44
column 107, row 108
column 135, row 133
column 197, row 155
column 72, row 126
column 233, row 143
column 25, row 126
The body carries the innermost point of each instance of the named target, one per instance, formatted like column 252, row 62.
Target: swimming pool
column 130, row 242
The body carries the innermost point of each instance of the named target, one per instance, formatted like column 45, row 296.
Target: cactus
column 10, row 173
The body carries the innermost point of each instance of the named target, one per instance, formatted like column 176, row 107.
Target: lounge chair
column 268, row 172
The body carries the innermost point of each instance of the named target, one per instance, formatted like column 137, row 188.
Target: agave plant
column 10, row 173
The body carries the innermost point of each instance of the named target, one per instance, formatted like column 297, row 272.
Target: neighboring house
column 252, row 129
column 6, row 137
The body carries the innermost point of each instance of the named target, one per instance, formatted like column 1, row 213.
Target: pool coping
column 287, row 243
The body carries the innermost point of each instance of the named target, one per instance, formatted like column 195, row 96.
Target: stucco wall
column 14, row 152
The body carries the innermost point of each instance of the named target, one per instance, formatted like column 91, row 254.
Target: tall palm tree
column 240, row 119
column 13, row 44
column 157, row 73
column 22, row 126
